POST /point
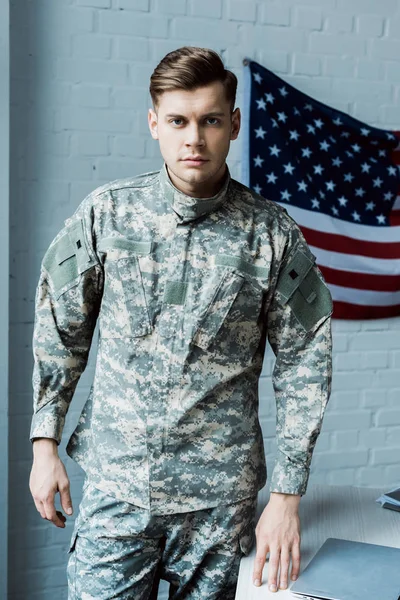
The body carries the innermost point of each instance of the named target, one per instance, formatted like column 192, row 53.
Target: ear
column 152, row 120
column 235, row 126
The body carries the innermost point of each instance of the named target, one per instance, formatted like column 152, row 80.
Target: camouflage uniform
column 119, row 550
column 186, row 291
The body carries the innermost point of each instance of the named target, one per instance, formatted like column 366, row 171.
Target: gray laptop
column 345, row 570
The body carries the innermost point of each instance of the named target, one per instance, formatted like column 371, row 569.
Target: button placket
column 175, row 272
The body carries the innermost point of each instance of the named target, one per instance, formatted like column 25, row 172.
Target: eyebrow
column 210, row 114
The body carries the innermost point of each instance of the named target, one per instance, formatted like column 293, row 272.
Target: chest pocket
column 124, row 310
column 234, row 303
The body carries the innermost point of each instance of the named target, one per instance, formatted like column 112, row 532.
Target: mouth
column 195, row 162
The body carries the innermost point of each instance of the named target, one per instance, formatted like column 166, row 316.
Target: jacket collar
column 188, row 207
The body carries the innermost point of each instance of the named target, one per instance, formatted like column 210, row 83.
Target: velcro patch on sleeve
column 304, row 291
column 68, row 257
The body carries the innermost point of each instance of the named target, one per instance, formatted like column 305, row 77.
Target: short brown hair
column 188, row 68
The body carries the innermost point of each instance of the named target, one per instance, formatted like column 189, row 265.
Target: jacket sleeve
column 67, row 302
column 299, row 331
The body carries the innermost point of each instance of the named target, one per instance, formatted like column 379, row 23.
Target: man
column 188, row 272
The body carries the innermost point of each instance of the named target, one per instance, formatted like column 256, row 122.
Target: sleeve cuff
column 289, row 478
column 46, row 425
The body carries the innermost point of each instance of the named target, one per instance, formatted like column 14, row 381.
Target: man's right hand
column 48, row 476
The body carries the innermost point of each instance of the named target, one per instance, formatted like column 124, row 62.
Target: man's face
column 195, row 123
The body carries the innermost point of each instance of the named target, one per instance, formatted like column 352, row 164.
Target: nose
column 194, row 136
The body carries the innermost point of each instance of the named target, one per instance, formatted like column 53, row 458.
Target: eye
column 175, row 120
column 213, row 119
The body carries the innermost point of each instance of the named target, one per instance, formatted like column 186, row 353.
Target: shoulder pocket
column 68, row 258
column 301, row 286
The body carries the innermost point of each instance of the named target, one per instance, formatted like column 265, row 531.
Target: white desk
column 350, row 513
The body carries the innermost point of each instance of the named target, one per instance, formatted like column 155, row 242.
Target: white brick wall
column 80, row 76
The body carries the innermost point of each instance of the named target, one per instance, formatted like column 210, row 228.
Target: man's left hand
column 278, row 532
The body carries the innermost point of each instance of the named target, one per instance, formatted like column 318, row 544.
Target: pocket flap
column 122, row 243
column 225, row 294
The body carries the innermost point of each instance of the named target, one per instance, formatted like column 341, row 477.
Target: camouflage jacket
column 186, row 291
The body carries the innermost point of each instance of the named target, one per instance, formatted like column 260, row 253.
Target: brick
column 371, row 476
column 385, row 7
column 368, row 113
column 386, row 49
column 393, row 72
column 270, row 37
column 125, row 97
column 205, row 8
column 392, row 474
column 323, row 442
column 306, row 64
column 325, row 3
column 350, row 381
column 373, row 398
column 343, row 400
column 92, row 71
column 129, row 146
column 152, row 149
column 95, row 3
column 132, row 24
column 275, row 61
column 114, row 169
column 95, row 96
column 385, row 340
column 339, row 341
column 94, row 119
column 338, row 22
column 348, row 361
column 394, row 397
column 327, row 461
column 242, row 10
column 274, row 14
column 318, row 87
column 329, row 44
column 57, row 93
column 371, row 438
column 345, row 439
column 345, row 420
column 170, row 7
column 388, row 417
column 58, row 167
column 370, row 25
column 358, row 90
column 341, row 476
column 308, row 18
column 396, row 359
column 133, row 48
column 90, row 46
column 73, row 20
column 53, row 143
column 384, row 456
column 142, row 5
column 393, row 27
column 369, row 70
column 90, row 144
column 390, row 115
column 187, row 28
column 387, row 378
column 139, row 75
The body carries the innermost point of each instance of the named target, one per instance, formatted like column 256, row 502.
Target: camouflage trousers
column 119, row 550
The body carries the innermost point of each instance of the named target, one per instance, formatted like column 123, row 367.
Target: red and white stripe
column 360, row 263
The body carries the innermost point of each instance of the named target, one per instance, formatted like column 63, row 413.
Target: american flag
column 339, row 178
